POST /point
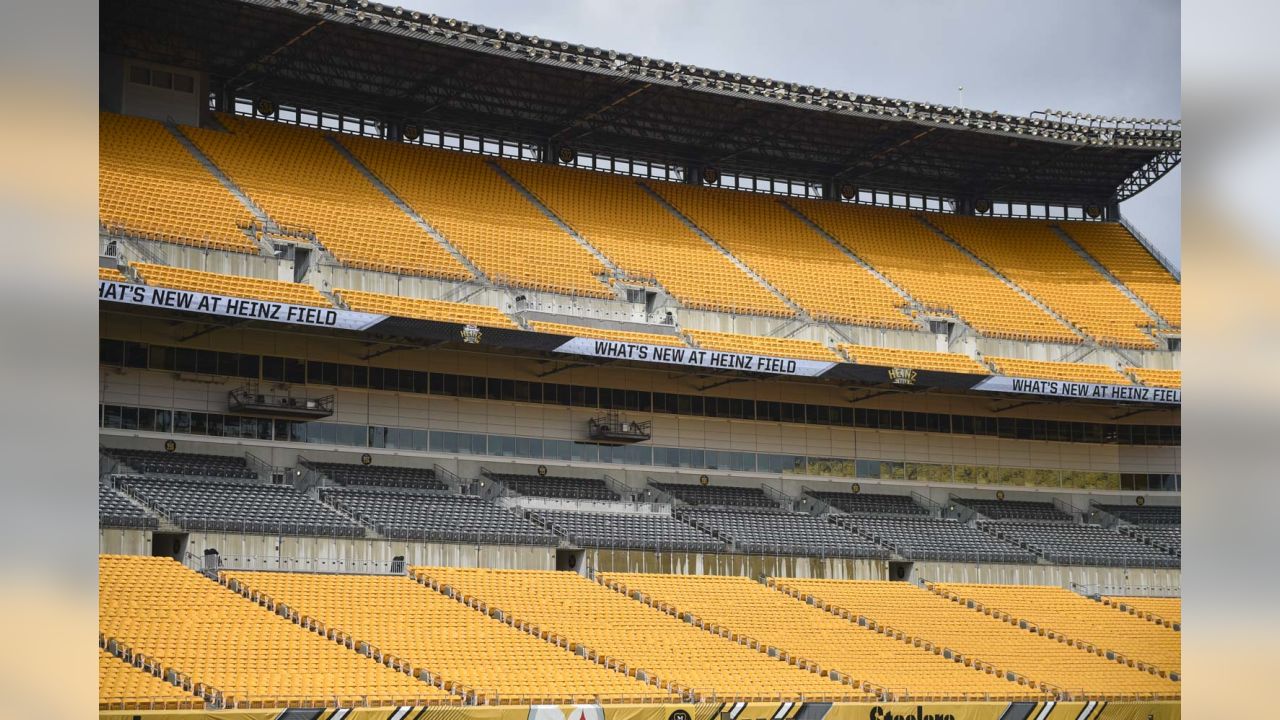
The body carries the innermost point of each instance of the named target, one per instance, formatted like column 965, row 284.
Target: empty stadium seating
column 1032, row 255
column 378, row 475
column 1079, row 618
column 1070, row 372
column 112, row 274
column 742, row 606
column 869, row 503
column 1016, row 510
column 1168, row 537
column 1168, row 609
column 116, row 510
column 1145, row 514
column 924, row 538
column 719, row 495
column 149, row 185
column 936, row 274
column 438, row 310
column 758, row 345
column 424, row 515
column 484, row 217
column 567, row 606
column 782, row 532
column 645, row 240
column 604, row 334
column 305, row 185
column 631, row 531
column 458, row 646
column 554, row 486
column 230, row 646
column 239, row 507
column 122, row 686
column 790, row 255
column 158, row 462
column 233, row 285
column 916, row 359
column 980, row 639
column 1069, row 544
column 1124, row 257
column 1157, row 378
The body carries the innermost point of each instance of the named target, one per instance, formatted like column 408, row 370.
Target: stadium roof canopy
column 368, row 60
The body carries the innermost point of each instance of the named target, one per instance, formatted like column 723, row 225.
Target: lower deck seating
column 981, row 640
column 1163, row 608
column 674, row 653
column 781, row 532
column 122, row 686
column 927, row 538
column 424, row 515
column 552, row 486
column 744, row 606
column 451, row 642
column 627, row 531
column 760, row 345
column 1079, row 618
column 1168, row 537
column 1069, row 544
column 239, row 507
column 438, row 310
column 233, row 285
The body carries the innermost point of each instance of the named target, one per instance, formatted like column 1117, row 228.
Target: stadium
column 448, row 371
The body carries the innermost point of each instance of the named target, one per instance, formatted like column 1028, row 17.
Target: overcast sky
column 1105, row 57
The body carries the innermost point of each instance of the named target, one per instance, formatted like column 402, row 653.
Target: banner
column 244, row 308
column 692, row 357
column 1080, row 390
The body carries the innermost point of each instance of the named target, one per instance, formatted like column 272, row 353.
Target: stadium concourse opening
column 441, row 369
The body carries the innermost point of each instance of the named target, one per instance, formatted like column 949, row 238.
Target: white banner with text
column 693, row 357
column 1080, row 390
column 243, row 308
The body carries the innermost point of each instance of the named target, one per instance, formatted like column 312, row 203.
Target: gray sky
column 1016, row 56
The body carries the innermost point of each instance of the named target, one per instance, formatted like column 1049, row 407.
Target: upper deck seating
column 939, row 276
column 927, row 538
column 1016, row 510
column 438, row 310
column 645, row 240
column 1163, row 608
column 122, row 686
column 1069, row 372
column 553, row 486
column 636, row 531
column 304, row 184
column 1032, row 255
column 917, row 359
column 159, row 462
column 1068, row 544
column 234, row 285
column 484, row 217
column 721, row 495
column 1157, row 378
column 1146, row 514
column 379, row 475
column 149, row 185
column 255, row 658
column 117, row 510
column 869, row 503
column 790, row 255
column 1124, row 257
column 760, row 345
column 605, row 334
column 781, row 532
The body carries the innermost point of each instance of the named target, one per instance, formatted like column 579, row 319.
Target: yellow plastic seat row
column 1120, row 252
column 1069, row 372
column 122, row 686
column 184, row 621
column 979, row 638
column 1157, row 378
column 233, row 285
column 1079, row 618
column 484, row 217
column 395, row 305
column 110, row 273
column 1164, row 608
column 149, row 185
column 1031, row 254
column 916, row 359
column 605, row 334
column 790, row 255
column 585, row 614
column 304, row 184
column 760, row 345
column 451, row 641
column 743, row 607
column 934, row 272
column 644, row 239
